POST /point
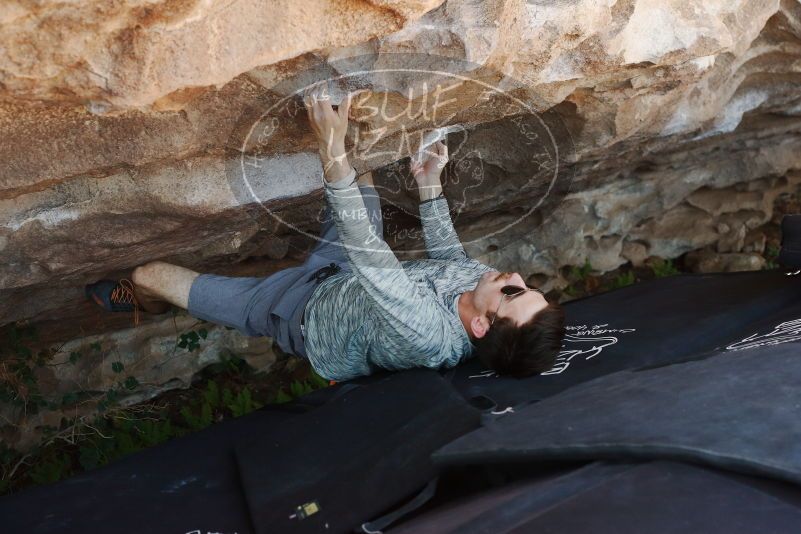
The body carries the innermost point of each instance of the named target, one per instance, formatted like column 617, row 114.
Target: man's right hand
column 329, row 127
column 427, row 172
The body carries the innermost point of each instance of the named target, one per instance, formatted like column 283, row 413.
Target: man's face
column 520, row 308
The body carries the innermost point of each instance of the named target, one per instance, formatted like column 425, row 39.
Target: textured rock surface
column 148, row 353
column 116, row 120
column 131, row 53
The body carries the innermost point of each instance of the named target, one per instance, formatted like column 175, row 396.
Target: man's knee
column 165, row 281
column 148, row 274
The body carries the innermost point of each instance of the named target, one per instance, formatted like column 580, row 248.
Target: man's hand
column 329, row 127
column 427, row 172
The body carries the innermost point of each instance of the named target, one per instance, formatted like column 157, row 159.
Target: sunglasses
column 511, row 292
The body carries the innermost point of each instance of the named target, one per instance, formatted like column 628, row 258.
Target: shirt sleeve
column 442, row 242
column 410, row 313
column 344, row 182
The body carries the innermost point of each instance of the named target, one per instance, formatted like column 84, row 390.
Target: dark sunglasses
column 516, row 290
column 511, row 291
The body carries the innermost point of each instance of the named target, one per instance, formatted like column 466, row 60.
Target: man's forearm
column 335, row 162
column 441, row 239
column 429, row 190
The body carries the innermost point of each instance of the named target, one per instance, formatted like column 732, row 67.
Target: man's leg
column 158, row 284
column 241, row 302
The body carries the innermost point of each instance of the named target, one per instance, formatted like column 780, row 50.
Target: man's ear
column 479, row 325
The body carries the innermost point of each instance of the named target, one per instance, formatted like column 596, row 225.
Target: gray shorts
column 273, row 305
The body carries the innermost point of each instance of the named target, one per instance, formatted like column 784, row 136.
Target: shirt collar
column 453, row 305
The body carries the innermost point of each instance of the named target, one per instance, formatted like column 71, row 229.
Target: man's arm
column 442, row 242
column 411, row 314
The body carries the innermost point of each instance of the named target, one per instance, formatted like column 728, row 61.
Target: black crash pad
column 354, row 458
column 738, row 410
column 601, row 498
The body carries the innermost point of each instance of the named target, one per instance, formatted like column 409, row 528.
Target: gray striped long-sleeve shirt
column 384, row 313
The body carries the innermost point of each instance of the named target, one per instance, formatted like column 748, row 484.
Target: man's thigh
column 224, row 300
column 266, row 306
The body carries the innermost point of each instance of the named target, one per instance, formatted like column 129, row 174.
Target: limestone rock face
column 131, row 53
column 680, row 126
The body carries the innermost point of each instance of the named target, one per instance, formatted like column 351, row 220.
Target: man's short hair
column 524, row 350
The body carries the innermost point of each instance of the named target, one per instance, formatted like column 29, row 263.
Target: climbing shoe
column 114, row 296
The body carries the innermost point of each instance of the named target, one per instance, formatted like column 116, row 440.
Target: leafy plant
column 622, row 280
column 240, row 404
column 213, row 400
column 109, row 399
column 231, row 365
column 298, row 388
column 212, row 394
column 771, row 255
column 664, row 268
column 772, row 252
column 131, row 383
column 89, row 456
column 197, row 421
column 18, row 385
column 155, row 432
column 282, row 397
column 50, row 470
column 318, row 381
column 201, row 413
column 581, row 273
column 191, row 340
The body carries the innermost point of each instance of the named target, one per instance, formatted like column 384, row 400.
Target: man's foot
column 114, row 296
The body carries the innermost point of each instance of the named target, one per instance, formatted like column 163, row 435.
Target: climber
column 352, row 307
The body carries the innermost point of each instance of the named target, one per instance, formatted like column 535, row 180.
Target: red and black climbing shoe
column 114, row 296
